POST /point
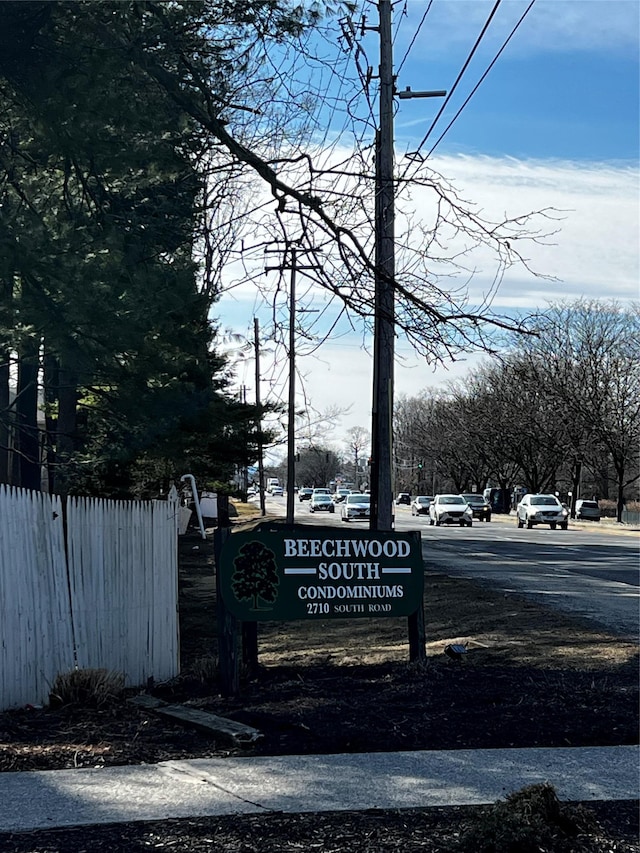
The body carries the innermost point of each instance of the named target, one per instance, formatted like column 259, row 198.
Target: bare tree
column 589, row 352
column 562, row 401
column 359, row 442
column 322, row 196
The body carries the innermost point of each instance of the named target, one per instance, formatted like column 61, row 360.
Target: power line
column 480, row 81
column 415, row 36
column 460, row 75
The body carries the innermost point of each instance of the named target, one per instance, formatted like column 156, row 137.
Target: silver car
column 587, row 510
column 321, row 503
column 356, row 507
column 541, row 509
column 420, row 505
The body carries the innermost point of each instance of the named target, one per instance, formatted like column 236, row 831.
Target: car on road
column 420, row 505
column 340, row 494
column 356, row 507
column 480, row 507
column 321, row 503
column 450, row 509
column 321, row 491
column 277, row 491
column 304, row 494
column 403, row 498
column 587, row 510
column 541, row 509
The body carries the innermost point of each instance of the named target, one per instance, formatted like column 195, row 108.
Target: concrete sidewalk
column 312, row 783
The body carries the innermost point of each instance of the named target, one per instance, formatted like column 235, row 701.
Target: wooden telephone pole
column 294, row 266
column 256, row 347
column 384, row 320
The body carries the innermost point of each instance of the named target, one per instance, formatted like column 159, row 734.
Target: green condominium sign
column 306, row 572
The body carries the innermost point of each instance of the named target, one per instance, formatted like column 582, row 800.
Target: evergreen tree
column 99, row 215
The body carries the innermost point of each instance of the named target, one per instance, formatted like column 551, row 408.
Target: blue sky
column 566, row 85
column 554, row 124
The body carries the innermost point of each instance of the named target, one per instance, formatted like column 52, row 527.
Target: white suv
column 450, row 509
column 541, row 509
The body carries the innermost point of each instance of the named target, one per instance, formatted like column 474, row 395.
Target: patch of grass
column 90, row 688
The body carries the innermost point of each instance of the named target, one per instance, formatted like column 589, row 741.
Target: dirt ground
column 531, row 677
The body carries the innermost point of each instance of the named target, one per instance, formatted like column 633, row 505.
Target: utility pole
column 384, row 320
column 291, row 431
column 256, row 347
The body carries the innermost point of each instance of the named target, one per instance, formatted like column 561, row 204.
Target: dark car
column 304, row 494
column 480, row 507
column 404, row 498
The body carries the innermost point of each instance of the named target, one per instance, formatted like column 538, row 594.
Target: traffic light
column 420, row 465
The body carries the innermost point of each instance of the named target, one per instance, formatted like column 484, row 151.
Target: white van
column 272, row 482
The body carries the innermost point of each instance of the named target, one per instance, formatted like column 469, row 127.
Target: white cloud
column 550, row 26
column 595, row 250
column 594, row 254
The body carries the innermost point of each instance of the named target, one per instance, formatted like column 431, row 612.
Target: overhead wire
column 480, row 81
column 460, row 74
column 415, row 36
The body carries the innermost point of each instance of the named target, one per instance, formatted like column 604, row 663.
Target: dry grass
column 498, row 630
column 90, row 688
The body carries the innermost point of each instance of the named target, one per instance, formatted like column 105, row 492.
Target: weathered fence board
column 123, row 579
column 109, row 601
column 36, row 641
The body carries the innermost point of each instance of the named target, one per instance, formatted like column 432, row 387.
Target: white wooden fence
column 108, row 600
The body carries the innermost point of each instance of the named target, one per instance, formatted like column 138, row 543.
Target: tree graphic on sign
column 255, row 576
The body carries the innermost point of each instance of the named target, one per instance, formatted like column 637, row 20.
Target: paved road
column 593, row 573
column 588, row 569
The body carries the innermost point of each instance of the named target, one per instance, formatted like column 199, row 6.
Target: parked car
column 450, row 509
column 340, row 494
column 355, row 507
column 420, row 505
column 541, row 509
column 321, row 503
column 404, row 498
column 480, row 507
column 277, row 491
column 587, row 510
column 304, row 494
